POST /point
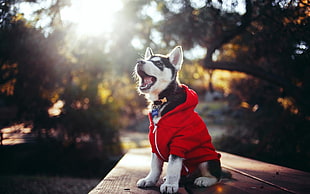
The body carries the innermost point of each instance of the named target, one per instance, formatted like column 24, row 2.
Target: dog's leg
column 171, row 185
column 210, row 172
column 152, row 178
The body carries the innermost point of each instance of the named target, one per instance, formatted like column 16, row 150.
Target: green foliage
column 37, row 71
column 269, row 128
column 92, row 76
column 26, row 77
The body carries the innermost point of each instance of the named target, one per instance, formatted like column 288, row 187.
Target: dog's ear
column 176, row 57
column 148, row 53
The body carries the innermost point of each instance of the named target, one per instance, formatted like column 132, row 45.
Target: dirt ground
column 45, row 185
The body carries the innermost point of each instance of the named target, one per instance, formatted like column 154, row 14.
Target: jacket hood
column 191, row 100
column 182, row 111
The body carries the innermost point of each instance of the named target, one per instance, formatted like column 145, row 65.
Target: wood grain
column 248, row 176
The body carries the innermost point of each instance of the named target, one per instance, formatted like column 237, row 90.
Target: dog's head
column 155, row 72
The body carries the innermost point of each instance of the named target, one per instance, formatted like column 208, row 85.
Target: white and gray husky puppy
column 177, row 133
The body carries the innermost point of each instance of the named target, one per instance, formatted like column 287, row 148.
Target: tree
column 39, row 69
column 25, row 75
column 269, row 40
column 36, row 73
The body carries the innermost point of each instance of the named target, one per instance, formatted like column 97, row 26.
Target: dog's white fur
column 175, row 57
column 175, row 163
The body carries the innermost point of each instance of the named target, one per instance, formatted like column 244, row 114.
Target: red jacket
column 183, row 133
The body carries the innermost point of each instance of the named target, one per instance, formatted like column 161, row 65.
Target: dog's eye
column 159, row 64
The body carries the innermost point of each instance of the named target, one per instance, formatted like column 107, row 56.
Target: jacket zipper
column 186, row 169
column 158, row 151
column 156, row 144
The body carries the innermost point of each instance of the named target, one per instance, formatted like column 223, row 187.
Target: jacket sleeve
column 188, row 138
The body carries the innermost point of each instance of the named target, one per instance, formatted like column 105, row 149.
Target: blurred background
column 69, row 108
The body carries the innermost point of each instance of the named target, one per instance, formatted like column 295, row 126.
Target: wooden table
column 248, row 176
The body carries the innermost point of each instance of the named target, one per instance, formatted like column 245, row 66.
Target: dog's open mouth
column 147, row 81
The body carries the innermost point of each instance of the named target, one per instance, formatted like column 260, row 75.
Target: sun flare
column 92, row 17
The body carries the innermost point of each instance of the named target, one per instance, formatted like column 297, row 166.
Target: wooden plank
column 291, row 179
column 123, row 178
column 239, row 184
column 249, row 176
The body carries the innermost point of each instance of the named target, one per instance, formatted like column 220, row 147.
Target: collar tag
column 155, row 112
column 157, row 105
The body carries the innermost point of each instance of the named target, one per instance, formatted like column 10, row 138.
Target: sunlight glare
column 92, row 17
column 56, row 109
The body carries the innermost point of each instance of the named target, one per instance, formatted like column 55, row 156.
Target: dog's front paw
column 145, row 182
column 205, row 181
column 169, row 188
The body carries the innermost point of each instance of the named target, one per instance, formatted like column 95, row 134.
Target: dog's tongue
column 147, row 82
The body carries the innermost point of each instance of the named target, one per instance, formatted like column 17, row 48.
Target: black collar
column 160, row 101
